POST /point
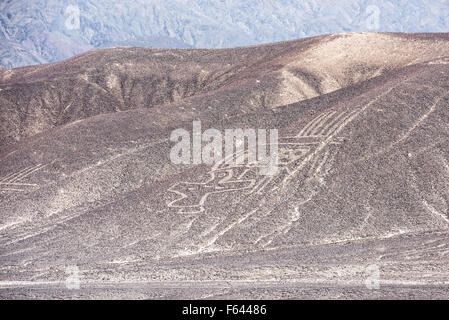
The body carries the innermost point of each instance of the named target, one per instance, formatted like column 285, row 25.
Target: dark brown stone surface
column 93, row 186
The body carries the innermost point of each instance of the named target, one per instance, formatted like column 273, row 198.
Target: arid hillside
column 86, row 179
column 37, row 98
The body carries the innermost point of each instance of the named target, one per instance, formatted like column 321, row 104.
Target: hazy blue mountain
column 48, row 30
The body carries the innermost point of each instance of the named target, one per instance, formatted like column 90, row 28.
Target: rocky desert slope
column 86, row 179
column 38, row 98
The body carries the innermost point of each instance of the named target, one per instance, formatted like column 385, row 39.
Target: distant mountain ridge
column 51, row 30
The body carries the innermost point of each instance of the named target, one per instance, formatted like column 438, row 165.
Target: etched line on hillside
column 435, row 212
column 312, row 151
column 14, row 181
column 409, row 131
column 310, row 124
column 193, row 195
column 337, row 122
column 324, row 143
column 13, row 175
